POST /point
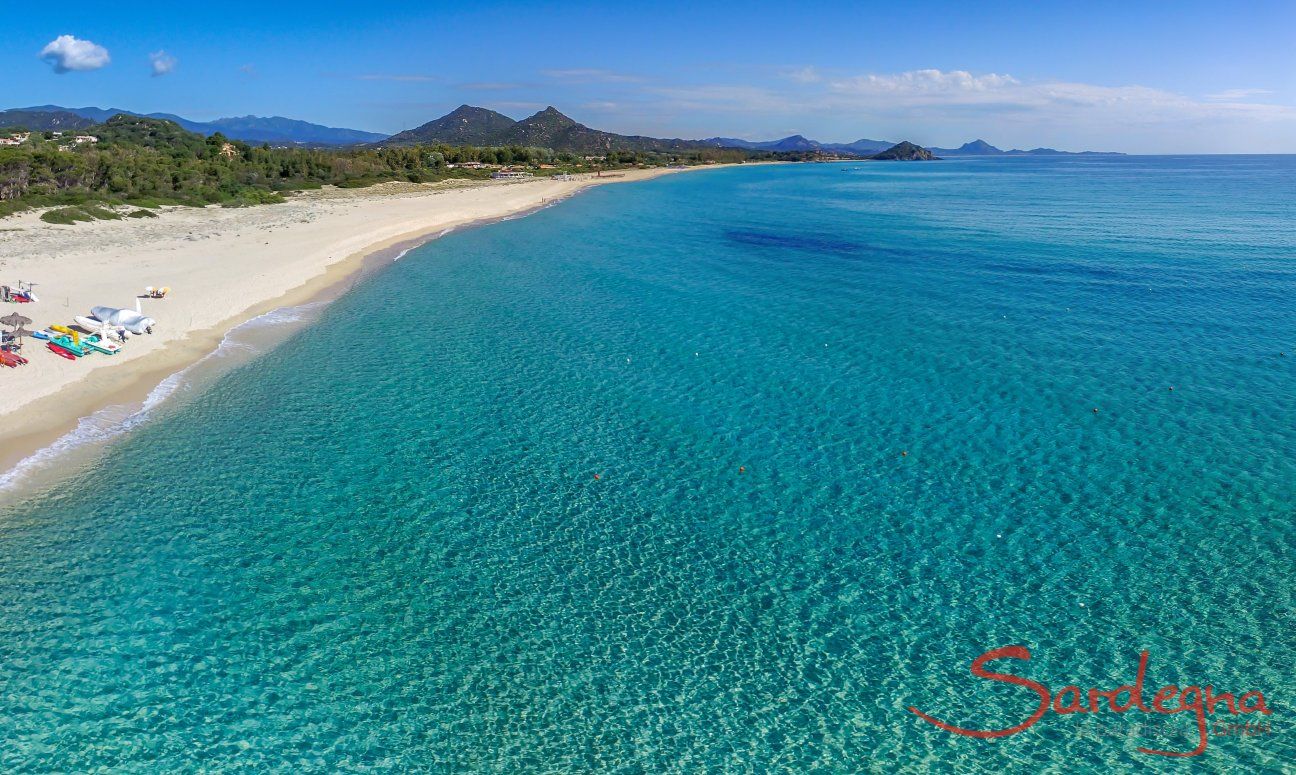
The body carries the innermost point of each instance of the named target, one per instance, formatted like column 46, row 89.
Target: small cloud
column 410, row 78
column 67, row 53
column 1232, row 95
column 803, row 75
column 162, row 63
column 590, row 74
column 929, row 81
column 491, row 86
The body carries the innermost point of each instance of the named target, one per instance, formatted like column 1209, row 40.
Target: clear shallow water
column 329, row 562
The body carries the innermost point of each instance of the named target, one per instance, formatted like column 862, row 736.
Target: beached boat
column 102, row 344
column 65, row 342
column 21, row 295
column 135, row 322
column 59, row 351
column 105, row 331
column 11, row 359
column 70, row 333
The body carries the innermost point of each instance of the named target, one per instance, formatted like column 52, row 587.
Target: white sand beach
column 223, row 266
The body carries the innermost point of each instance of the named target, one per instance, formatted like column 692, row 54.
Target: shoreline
column 26, row 431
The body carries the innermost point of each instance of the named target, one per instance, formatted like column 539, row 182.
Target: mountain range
column 801, row 143
column 982, row 148
column 469, row 125
column 252, row 129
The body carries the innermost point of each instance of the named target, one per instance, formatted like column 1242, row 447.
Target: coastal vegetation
column 145, row 162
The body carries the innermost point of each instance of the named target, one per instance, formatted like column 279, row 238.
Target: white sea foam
column 423, row 242
column 114, row 420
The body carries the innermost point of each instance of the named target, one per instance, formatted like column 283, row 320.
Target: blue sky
column 1130, row 76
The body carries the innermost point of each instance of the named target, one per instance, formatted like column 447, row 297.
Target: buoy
column 596, row 476
column 904, row 453
column 742, row 469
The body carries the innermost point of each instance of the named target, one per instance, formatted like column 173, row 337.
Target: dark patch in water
column 764, row 239
column 1057, row 268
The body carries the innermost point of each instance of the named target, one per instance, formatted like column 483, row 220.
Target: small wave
column 423, row 242
column 114, row 420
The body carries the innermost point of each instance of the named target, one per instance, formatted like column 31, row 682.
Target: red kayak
column 12, row 360
column 60, row 352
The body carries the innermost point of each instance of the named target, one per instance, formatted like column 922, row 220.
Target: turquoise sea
column 721, row 472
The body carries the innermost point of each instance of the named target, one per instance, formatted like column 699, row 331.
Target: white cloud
column 67, row 53
column 802, row 74
column 491, row 86
column 951, row 83
column 943, row 108
column 1229, row 95
column 162, row 63
column 590, row 75
column 404, row 78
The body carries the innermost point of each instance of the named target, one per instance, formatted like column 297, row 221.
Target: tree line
column 151, row 162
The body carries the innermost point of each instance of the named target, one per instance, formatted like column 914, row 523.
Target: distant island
column 982, row 148
column 801, row 143
column 904, row 151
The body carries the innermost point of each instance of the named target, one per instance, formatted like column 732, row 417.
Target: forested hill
column 43, row 120
column 548, row 128
column 253, row 129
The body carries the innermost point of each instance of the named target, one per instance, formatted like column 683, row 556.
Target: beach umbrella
column 15, row 320
column 20, row 332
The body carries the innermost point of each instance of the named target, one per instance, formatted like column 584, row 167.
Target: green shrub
column 141, row 214
column 101, row 213
column 65, row 216
column 251, row 197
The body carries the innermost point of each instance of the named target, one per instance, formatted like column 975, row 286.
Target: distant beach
column 224, row 266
